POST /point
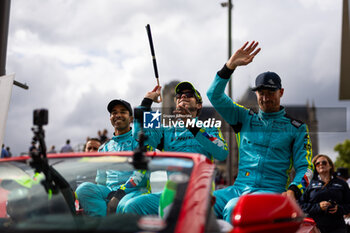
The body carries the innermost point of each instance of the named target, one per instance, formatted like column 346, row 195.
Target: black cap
column 343, row 172
column 188, row 86
column 117, row 102
column 268, row 80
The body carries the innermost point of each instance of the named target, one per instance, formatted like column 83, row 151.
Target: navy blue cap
column 268, row 80
column 119, row 102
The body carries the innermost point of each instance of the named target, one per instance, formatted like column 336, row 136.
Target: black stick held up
column 148, row 28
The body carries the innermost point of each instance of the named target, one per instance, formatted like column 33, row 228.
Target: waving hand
column 244, row 55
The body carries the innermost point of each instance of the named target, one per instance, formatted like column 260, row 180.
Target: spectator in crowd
column 270, row 142
column 67, row 148
column 4, row 152
column 92, row 145
column 52, row 150
column 343, row 173
column 9, row 152
column 327, row 198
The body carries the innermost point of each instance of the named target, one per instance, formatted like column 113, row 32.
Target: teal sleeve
column 213, row 142
column 103, row 148
column 232, row 112
column 302, row 156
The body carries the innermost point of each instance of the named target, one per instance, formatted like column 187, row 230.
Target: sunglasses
column 324, row 163
column 187, row 94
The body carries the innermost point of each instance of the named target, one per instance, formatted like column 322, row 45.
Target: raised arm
column 154, row 135
column 229, row 110
column 154, row 95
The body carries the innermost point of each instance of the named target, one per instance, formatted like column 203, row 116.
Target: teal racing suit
column 94, row 197
column 206, row 141
column 269, row 144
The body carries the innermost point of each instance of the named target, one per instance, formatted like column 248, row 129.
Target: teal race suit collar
column 122, row 136
column 278, row 114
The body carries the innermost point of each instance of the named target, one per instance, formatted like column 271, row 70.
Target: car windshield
column 28, row 203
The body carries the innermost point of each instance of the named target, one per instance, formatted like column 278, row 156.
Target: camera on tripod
column 40, row 117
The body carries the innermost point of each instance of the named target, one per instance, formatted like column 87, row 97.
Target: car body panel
column 196, row 196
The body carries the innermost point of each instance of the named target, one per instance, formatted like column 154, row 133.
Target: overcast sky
column 76, row 56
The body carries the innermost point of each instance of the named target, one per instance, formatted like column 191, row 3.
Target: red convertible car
column 26, row 205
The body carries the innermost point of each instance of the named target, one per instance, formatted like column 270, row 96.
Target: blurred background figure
column 52, row 150
column 67, row 147
column 327, row 198
column 343, row 173
column 4, row 153
column 103, row 136
column 33, row 147
column 9, row 152
column 92, row 145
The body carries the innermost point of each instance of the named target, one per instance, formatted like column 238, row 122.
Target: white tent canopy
column 6, row 84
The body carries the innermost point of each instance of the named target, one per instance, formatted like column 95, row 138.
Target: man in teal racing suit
column 114, row 188
column 205, row 140
column 270, row 142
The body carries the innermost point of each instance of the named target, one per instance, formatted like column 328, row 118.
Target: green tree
column 343, row 159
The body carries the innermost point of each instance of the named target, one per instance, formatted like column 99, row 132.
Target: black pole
column 230, row 162
column 4, row 28
column 22, row 85
column 229, row 41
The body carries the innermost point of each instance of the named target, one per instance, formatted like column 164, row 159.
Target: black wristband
column 118, row 194
column 147, row 103
column 296, row 191
column 225, row 72
column 145, row 106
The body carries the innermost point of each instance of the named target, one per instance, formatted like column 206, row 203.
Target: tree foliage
column 343, row 159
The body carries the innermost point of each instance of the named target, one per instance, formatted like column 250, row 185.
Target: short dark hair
column 94, row 139
column 91, row 139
